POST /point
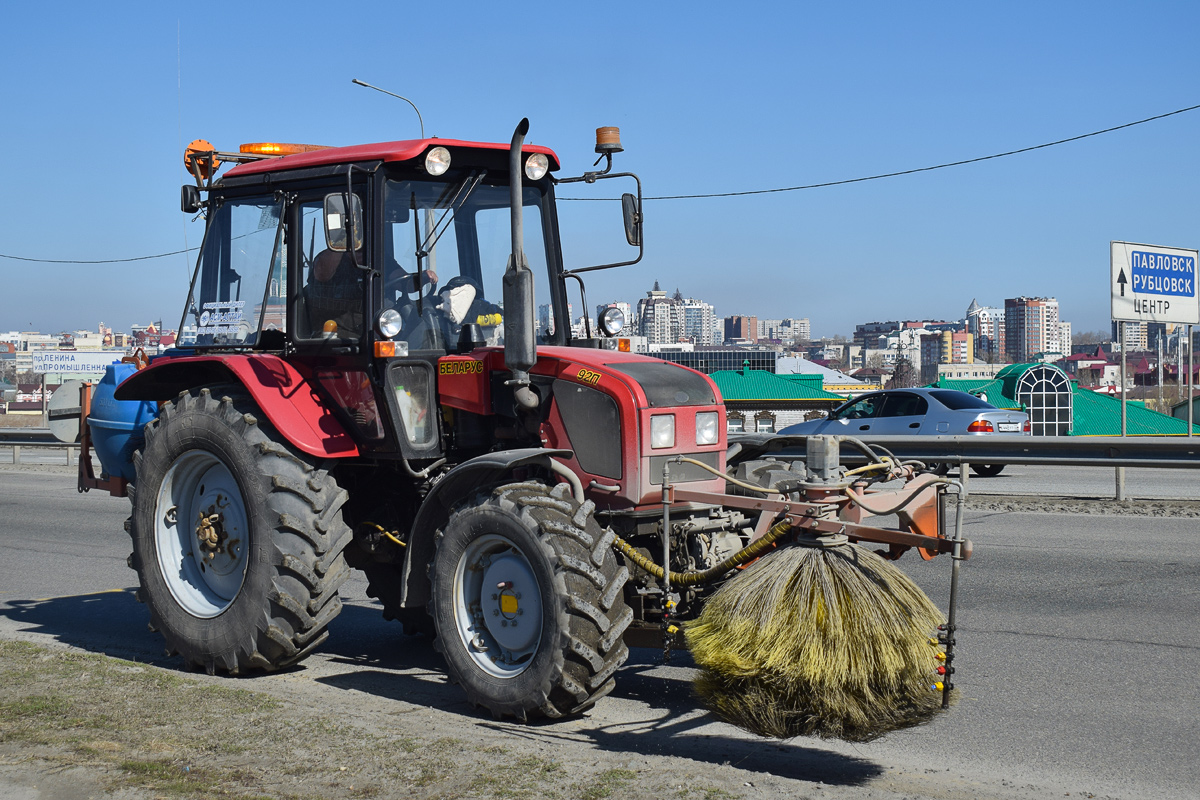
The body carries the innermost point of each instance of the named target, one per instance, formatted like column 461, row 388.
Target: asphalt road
column 1078, row 656
column 1180, row 484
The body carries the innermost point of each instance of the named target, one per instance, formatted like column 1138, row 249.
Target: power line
column 720, row 194
column 903, row 172
column 100, row 261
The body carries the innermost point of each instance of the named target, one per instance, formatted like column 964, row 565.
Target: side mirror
column 633, row 219
column 335, row 221
column 189, row 198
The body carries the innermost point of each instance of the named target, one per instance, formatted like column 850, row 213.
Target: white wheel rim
column 204, row 578
column 497, row 606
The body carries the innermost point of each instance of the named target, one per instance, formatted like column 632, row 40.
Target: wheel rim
column 497, row 606
column 201, row 534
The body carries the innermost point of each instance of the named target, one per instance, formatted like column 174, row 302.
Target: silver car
column 907, row 412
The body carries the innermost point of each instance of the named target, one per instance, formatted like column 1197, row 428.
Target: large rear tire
column 237, row 539
column 528, row 602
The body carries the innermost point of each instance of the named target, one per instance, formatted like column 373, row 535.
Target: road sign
column 60, row 361
column 1154, row 284
column 64, row 416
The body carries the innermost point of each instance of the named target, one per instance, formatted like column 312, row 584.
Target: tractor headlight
column 662, row 431
column 389, row 323
column 612, row 321
column 706, row 427
column 437, row 161
column 536, row 166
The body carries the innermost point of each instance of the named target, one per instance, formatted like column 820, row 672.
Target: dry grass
column 187, row 736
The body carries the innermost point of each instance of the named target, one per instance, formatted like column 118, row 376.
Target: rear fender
column 486, row 470
column 284, row 395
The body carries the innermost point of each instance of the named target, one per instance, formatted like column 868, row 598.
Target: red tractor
column 360, row 383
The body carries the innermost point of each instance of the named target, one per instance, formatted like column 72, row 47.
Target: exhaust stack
column 520, row 347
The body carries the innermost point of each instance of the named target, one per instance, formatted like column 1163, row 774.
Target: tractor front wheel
column 528, row 602
column 237, row 540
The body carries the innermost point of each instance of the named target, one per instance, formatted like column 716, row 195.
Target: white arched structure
column 1044, row 391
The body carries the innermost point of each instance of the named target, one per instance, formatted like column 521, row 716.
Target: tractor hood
column 662, row 384
column 667, row 384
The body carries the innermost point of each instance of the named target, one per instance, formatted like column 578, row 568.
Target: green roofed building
column 757, row 400
column 1057, row 406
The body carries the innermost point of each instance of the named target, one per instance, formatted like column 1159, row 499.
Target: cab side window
column 330, row 299
column 903, row 404
column 862, row 408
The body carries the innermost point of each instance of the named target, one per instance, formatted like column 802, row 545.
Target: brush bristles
column 829, row 642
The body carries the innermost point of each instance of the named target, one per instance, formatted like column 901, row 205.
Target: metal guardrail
column 29, row 436
column 16, row 438
column 1114, row 452
column 1172, row 452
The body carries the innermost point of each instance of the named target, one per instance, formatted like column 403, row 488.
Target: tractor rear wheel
column 237, row 540
column 528, row 602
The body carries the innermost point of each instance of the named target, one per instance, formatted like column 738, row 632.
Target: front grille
column 684, row 473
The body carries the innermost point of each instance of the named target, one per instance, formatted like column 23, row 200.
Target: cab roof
column 404, row 150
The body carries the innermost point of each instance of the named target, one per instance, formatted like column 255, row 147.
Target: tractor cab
column 364, row 266
column 430, row 225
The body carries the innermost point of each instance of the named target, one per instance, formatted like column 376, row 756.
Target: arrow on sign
column 1122, row 281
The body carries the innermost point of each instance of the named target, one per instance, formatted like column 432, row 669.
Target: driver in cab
column 334, row 294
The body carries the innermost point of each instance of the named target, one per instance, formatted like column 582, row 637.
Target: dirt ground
column 1083, row 505
column 77, row 725
column 80, row 725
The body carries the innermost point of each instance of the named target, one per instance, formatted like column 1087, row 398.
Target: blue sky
column 710, row 97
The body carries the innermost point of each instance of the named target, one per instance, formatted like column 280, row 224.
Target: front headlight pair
column 662, row 429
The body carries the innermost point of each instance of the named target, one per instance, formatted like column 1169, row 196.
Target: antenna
column 393, row 94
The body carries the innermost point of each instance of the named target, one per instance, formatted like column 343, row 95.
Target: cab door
column 903, row 414
column 858, row 417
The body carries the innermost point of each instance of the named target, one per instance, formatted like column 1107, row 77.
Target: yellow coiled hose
column 697, row 577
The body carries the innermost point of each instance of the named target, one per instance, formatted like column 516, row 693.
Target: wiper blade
column 473, row 179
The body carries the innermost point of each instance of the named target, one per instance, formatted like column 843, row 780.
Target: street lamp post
column 393, row 94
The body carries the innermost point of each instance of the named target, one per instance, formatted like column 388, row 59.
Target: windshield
column 240, row 283
column 446, row 247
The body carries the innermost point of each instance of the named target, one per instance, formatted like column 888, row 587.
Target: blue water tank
column 116, row 425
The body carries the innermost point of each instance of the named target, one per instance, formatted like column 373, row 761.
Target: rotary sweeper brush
column 814, row 634
column 359, row 384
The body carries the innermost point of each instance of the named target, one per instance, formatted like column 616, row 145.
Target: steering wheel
column 401, row 281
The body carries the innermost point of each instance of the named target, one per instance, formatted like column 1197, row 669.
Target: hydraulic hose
column 886, row 463
column 719, row 474
column 860, row 501
column 697, row 577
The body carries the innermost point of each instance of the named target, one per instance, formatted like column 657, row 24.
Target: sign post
column 1151, row 283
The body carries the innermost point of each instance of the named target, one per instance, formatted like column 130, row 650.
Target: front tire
column 987, row 470
column 528, row 602
column 237, row 539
